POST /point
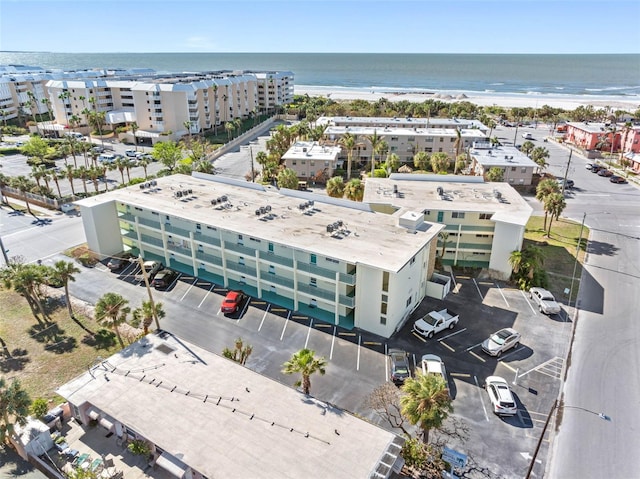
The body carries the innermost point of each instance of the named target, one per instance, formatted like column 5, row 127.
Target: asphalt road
column 604, row 365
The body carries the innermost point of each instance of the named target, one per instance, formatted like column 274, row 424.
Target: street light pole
column 575, row 263
column 146, row 283
column 566, row 172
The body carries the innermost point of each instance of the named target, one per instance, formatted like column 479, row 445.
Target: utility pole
column 544, row 429
column 575, row 264
column 4, row 253
column 146, row 283
column 566, row 172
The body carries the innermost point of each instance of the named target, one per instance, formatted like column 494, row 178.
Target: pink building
column 593, row 136
column 631, row 140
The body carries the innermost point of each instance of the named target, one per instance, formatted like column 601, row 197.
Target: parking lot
column 358, row 361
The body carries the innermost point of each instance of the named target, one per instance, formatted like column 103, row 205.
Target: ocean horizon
column 592, row 77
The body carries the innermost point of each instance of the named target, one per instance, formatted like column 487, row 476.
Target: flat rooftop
column 459, row 193
column 225, row 420
column 502, row 156
column 400, row 121
column 312, row 150
column 364, row 237
column 398, row 131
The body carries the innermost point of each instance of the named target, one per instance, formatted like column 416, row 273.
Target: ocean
column 592, row 76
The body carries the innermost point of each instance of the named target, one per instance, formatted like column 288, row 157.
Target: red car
column 232, row 302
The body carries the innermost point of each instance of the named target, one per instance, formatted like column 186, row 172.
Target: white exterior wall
column 507, row 238
column 102, row 228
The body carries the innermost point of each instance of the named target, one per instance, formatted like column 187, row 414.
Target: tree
column 112, row 311
column 385, row 402
column 348, row 142
column 63, row 97
column 70, row 174
column 24, row 185
column 527, row 147
column 134, row 127
column 37, row 148
column 392, row 163
column 545, row 188
column 554, row 205
column 540, row 155
column 287, row 178
column 335, row 187
column 443, row 236
column 63, row 271
column 526, row 265
column 240, row 353
column 354, row 190
column 14, row 408
column 27, row 280
column 421, row 160
column 305, row 363
column 375, row 141
column 440, row 162
column 457, row 147
column 426, row 402
column 145, row 314
column 495, row 174
column 168, row 153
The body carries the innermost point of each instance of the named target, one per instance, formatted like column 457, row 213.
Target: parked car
column 617, row 179
column 232, row 302
column 130, row 153
column 501, row 341
column 568, row 183
column 589, row 166
column 118, row 262
column 164, row 278
column 98, row 149
column 596, row 168
column 544, row 299
column 151, row 268
column 432, row 364
column 399, row 369
column 434, row 322
column 500, row 396
column 604, row 172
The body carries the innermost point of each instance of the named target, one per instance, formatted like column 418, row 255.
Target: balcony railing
column 208, row 239
column 151, row 240
column 274, row 258
column 348, row 301
column 238, row 248
column 241, row 268
column 179, row 249
column 149, row 223
column 176, row 230
column 276, row 280
column 209, row 258
column 316, row 292
column 127, row 217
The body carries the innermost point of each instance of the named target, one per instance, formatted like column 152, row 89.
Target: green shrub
column 39, row 407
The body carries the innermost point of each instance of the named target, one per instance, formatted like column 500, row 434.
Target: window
column 313, row 282
column 513, row 168
column 294, row 162
column 241, row 261
column 240, row 240
column 428, row 140
column 441, row 139
column 273, row 289
column 523, row 170
column 243, row 280
column 198, row 227
column 428, row 149
column 313, row 304
column 440, row 216
column 212, row 228
column 457, row 214
column 383, row 320
column 439, row 150
column 394, row 138
column 254, row 239
column 482, row 236
column 200, row 248
column 272, row 269
column 331, row 260
column 485, row 216
column 383, row 308
column 385, row 281
column 137, row 209
column 411, row 138
column 312, row 162
column 413, row 260
column 385, row 298
column 270, row 247
column 409, row 301
column 313, row 259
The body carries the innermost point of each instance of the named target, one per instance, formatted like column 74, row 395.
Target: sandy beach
column 508, row 100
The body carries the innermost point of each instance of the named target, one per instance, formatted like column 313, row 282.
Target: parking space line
column 474, row 346
column 502, row 294
column 266, row 311
column 478, row 288
column 452, row 334
column 189, row 288
column 502, row 358
column 308, row 333
column 551, row 363
column 419, row 337
column 386, row 363
column 333, row 340
column 481, row 401
column 205, row 296
column 285, row 325
column 358, row 361
column 478, row 357
column 508, row 366
column 372, row 343
column 175, row 281
column 528, row 302
column 447, row 346
column 460, row 375
column 346, row 334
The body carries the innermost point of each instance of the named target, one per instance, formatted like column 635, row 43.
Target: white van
column 107, row 158
column 527, row 136
column 68, row 208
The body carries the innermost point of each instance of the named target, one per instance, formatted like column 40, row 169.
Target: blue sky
column 375, row 26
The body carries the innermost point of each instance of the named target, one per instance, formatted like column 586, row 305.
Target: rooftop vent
column 178, row 194
column 440, row 191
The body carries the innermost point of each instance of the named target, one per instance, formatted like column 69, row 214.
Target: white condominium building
column 485, row 222
column 332, row 259
column 404, row 122
column 310, row 159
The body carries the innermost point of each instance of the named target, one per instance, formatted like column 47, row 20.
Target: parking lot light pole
column 146, row 283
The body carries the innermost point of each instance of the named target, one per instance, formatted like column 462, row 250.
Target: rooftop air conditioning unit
column 258, row 212
column 440, row 191
column 267, row 208
column 224, row 198
column 154, row 183
column 142, row 187
column 185, row 192
column 179, row 194
column 329, row 228
column 214, row 201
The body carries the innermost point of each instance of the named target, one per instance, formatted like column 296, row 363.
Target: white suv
column 544, row 299
column 500, row 396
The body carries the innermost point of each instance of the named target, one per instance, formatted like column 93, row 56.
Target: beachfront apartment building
column 164, row 106
column 205, row 416
column 332, row 259
column 310, row 159
column 406, row 142
column 484, row 222
column 517, row 168
column 594, row 136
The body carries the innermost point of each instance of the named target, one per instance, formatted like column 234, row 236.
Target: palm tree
column 134, row 127
column 112, row 311
column 238, row 125
column 64, row 271
column 240, row 353
column 426, row 402
column 457, row 146
column 375, row 141
column 229, row 127
column 70, row 175
column 335, row 187
column 23, row 185
column 144, row 163
column 46, row 102
column 121, row 165
column 63, row 97
column 554, row 205
column 544, row 189
column 354, row 190
column 516, row 261
column 348, row 142
column 421, row 160
column 27, row 280
column 56, row 177
column 82, row 172
column 305, row 363
column 14, row 408
column 540, row 154
column 145, row 313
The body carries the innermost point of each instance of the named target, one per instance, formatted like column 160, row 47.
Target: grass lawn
column 46, row 355
column 559, row 252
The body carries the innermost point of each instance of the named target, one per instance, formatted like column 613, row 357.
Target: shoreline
column 505, row 100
